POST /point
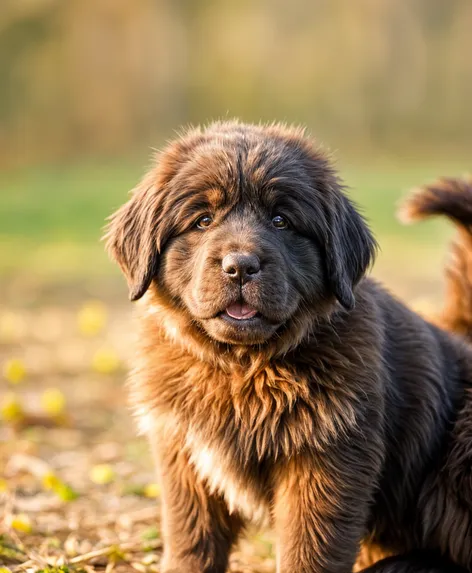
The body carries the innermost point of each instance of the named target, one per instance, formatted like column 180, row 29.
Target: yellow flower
column 20, row 522
column 53, row 402
column 50, row 481
column 105, row 361
column 102, row 474
column 65, row 492
column 152, row 490
column 62, row 490
column 3, row 485
column 92, row 318
column 10, row 408
column 14, row 370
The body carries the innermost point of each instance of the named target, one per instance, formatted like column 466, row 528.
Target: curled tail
column 451, row 198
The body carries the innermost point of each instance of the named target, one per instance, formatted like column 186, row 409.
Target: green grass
column 65, row 203
column 51, row 218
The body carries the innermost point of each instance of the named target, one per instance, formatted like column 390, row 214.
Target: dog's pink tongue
column 240, row 311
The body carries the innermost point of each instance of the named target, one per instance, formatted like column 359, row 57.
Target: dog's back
column 431, row 487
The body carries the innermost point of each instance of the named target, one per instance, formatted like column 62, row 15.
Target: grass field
column 77, row 491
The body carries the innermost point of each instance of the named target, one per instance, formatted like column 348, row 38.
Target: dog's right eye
column 204, row 222
column 279, row 222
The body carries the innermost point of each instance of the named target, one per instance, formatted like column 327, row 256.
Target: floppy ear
column 132, row 237
column 350, row 250
column 138, row 231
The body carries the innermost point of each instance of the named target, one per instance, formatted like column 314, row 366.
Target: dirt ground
column 77, row 488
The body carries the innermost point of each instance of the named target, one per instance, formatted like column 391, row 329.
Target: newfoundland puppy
column 276, row 382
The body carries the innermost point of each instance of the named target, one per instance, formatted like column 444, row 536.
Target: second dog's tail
column 451, row 198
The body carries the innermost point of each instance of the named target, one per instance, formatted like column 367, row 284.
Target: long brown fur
column 452, row 198
column 335, row 414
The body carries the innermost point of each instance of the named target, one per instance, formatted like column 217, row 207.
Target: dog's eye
column 204, row 222
column 279, row 222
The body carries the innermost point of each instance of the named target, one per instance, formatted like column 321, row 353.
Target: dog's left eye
column 204, row 222
column 279, row 222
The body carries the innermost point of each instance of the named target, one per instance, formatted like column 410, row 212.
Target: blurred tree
column 107, row 76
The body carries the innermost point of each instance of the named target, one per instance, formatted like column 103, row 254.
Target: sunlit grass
column 51, row 218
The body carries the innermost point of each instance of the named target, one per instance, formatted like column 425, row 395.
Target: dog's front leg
column 198, row 530
column 321, row 504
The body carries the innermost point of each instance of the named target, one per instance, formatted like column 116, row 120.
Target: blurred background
column 90, row 87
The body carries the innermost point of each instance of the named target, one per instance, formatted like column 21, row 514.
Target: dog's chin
column 248, row 331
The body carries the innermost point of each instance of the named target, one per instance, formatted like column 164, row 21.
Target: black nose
column 241, row 266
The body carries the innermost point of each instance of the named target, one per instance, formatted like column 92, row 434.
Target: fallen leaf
column 102, row 474
column 14, row 370
column 92, row 318
column 53, row 402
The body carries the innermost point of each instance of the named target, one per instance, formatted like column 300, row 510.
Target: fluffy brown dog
column 273, row 380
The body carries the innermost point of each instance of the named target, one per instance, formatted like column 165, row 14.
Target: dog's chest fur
column 238, row 427
column 215, row 466
column 220, row 465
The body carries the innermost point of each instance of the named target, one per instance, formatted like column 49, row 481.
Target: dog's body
column 265, row 392
column 247, row 433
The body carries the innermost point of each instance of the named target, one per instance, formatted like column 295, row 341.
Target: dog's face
column 243, row 228
column 241, row 268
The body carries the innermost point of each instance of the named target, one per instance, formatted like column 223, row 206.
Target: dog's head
column 242, row 228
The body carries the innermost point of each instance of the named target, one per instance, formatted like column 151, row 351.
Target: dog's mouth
column 240, row 320
column 240, row 311
column 240, row 323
